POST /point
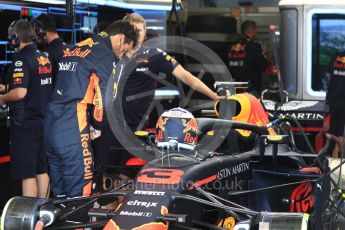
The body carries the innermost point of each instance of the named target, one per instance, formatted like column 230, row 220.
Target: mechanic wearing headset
column 30, row 86
column 246, row 58
column 49, row 40
column 81, row 84
column 335, row 99
column 143, row 61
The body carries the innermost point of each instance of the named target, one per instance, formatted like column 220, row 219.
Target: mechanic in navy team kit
column 143, row 61
column 81, row 83
column 30, row 86
column 246, row 58
column 335, row 98
column 49, row 39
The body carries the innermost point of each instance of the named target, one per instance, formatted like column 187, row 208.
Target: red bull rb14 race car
column 188, row 186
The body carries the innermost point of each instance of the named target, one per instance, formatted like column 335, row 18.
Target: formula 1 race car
column 187, row 186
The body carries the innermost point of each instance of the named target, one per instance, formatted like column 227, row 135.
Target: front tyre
column 20, row 213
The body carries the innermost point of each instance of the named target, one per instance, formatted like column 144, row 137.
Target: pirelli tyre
column 20, row 213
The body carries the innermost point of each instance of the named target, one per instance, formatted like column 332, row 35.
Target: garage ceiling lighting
column 164, row 5
column 54, row 2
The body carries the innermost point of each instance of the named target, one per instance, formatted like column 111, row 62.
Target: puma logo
column 59, row 92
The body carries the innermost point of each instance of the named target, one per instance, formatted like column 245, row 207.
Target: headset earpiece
column 12, row 35
column 15, row 40
column 39, row 28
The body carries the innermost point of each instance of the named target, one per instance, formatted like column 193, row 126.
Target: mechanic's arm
column 258, row 56
column 194, row 82
column 97, row 109
column 98, row 117
column 2, row 88
column 18, row 81
column 13, row 95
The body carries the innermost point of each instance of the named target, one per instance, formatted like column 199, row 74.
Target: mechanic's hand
column 2, row 101
column 215, row 97
column 2, row 88
column 94, row 133
column 265, row 49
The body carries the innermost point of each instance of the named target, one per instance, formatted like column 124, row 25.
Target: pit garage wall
column 217, row 27
column 155, row 22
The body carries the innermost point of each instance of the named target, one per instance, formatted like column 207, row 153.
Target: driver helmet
column 176, row 130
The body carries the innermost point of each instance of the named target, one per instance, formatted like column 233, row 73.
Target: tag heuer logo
column 18, row 63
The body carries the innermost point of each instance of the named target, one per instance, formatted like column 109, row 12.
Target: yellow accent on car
column 274, row 137
column 141, row 133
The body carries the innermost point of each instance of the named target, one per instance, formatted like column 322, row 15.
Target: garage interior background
column 213, row 22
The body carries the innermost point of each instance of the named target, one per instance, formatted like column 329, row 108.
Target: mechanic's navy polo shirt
column 55, row 50
column 147, row 61
column 30, row 69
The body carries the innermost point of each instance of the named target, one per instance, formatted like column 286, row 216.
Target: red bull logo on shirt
column 237, row 51
column 44, row 70
column 77, row 52
column 43, row 60
column 87, row 42
column 339, row 62
column 238, row 47
column 17, row 81
column 341, row 59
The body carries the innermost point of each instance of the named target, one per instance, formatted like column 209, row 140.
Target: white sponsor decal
column 340, row 73
column 46, row 81
column 234, row 170
column 18, row 70
column 305, row 116
column 142, row 204
column 291, row 105
column 161, row 51
column 236, row 63
column 18, row 63
column 149, row 193
column 68, row 66
column 143, row 214
column 142, row 69
column 59, row 92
